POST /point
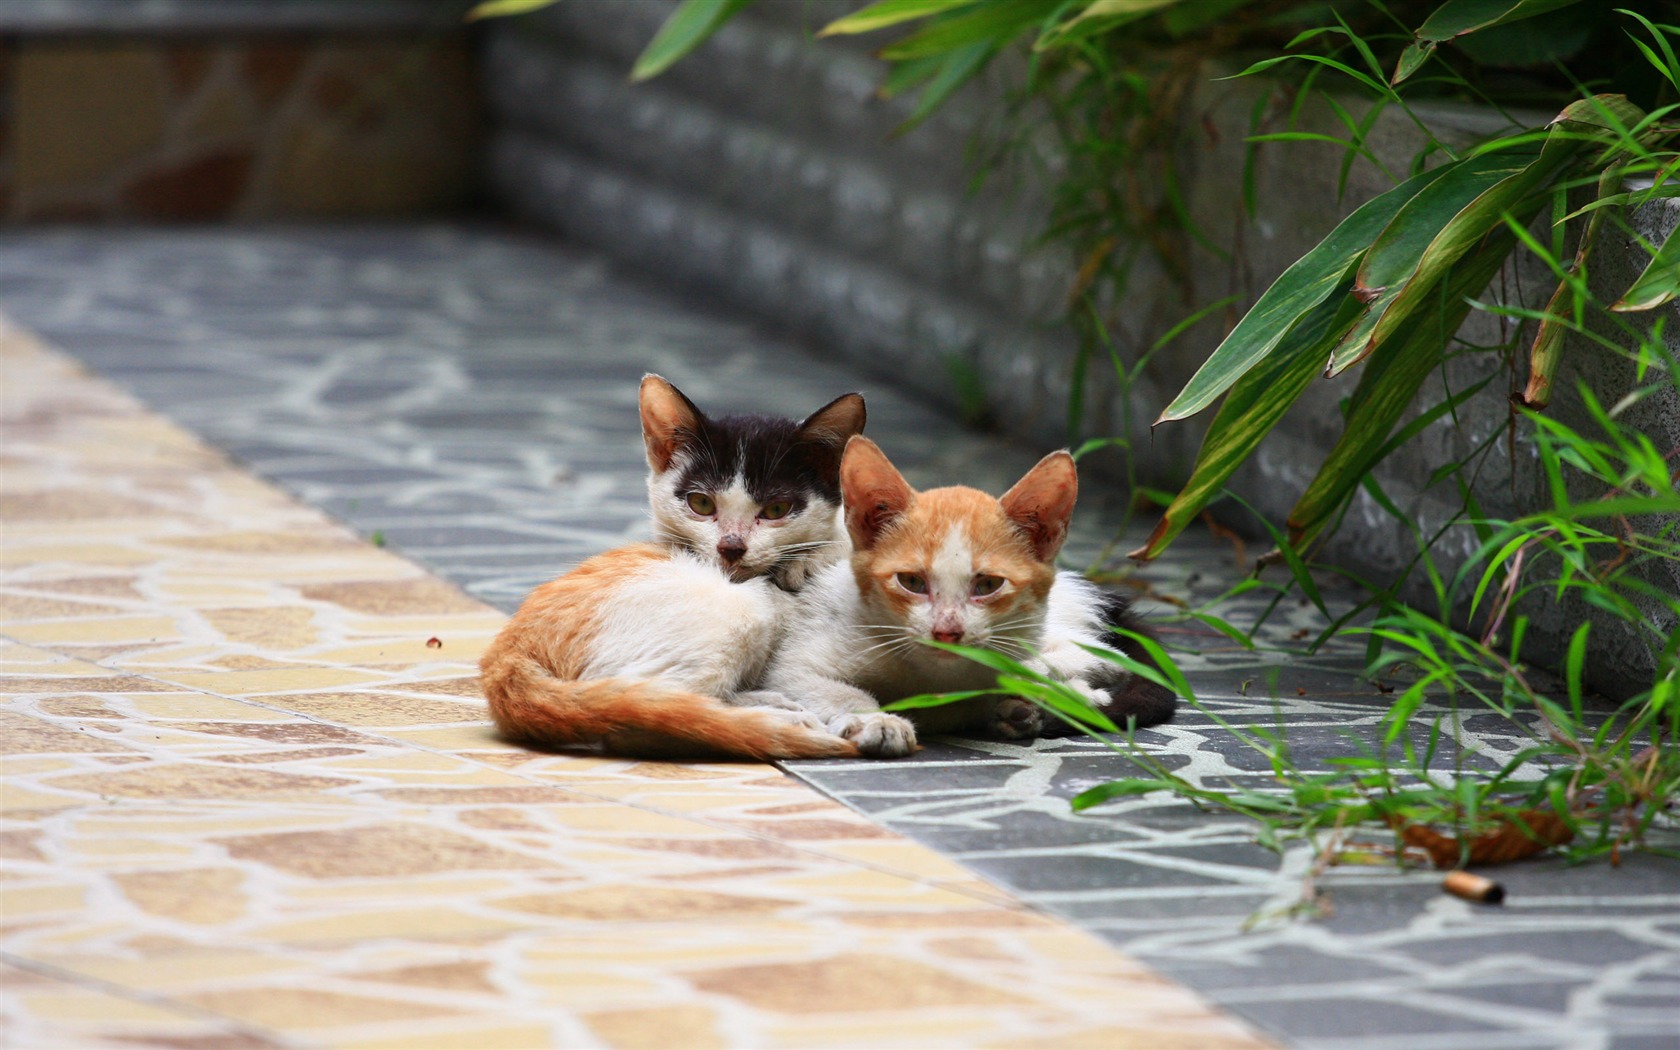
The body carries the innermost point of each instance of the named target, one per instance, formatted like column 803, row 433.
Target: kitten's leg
column 1080, row 615
column 991, row 718
column 789, row 711
column 1013, row 718
column 1111, row 689
column 762, row 698
column 849, row 712
column 778, row 704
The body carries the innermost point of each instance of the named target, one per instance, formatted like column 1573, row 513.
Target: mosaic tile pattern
column 250, row 799
column 469, row 398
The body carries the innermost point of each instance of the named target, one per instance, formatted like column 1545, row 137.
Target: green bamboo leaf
column 1507, row 546
column 1252, row 408
column 954, row 70
column 1391, row 380
column 1667, row 64
column 1157, row 667
column 992, row 659
column 1229, row 630
column 1099, row 16
column 689, row 26
column 1118, row 789
column 1060, row 700
column 1290, row 555
column 1455, row 18
column 1380, row 89
column 1407, row 704
column 1309, row 281
column 1094, row 444
column 1660, row 281
column 921, row 700
column 1457, row 213
column 1547, row 350
column 1398, row 253
column 885, row 13
column 992, row 24
column 905, row 75
column 1413, row 57
column 1572, row 665
column 503, row 8
column 1621, row 507
column 1631, row 197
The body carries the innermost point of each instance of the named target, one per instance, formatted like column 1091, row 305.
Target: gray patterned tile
column 470, row 395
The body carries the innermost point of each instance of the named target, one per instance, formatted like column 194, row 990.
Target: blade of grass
column 887, row 13
column 689, row 26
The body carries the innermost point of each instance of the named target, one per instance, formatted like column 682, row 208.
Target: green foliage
column 1458, row 18
column 1610, row 775
column 1659, row 282
column 505, row 8
column 689, row 26
column 1385, row 293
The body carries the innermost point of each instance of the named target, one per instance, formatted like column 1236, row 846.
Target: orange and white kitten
column 951, row 565
column 657, row 649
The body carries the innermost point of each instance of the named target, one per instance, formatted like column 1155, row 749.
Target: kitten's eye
column 776, row 510
column 700, row 503
column 984, row 585
column 914, row 582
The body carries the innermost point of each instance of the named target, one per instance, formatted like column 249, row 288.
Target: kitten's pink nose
column 730, row 549
column 948, row 635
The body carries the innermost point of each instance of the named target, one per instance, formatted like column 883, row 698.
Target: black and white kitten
column 657, row 649
column 760, row 494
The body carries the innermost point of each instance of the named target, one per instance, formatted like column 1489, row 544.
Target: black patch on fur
column 767, row 453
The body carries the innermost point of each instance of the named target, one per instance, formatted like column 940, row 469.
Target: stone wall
column 765, row 173
column 213, row 110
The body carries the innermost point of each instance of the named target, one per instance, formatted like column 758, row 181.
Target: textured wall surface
column 763, row 171
column 358, row 109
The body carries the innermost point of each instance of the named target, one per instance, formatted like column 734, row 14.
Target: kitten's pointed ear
column 875, row 493
column 1041, row 503
column 669, row 420
column 836, row 422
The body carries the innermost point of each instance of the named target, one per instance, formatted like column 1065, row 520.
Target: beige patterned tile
column 441, row 1035
column 246, row 803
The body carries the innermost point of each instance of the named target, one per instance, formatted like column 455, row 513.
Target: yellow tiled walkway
column 251, row 799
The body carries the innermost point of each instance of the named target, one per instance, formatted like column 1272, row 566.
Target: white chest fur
column 684, row 622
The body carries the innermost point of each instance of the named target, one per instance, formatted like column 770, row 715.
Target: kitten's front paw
column 877, row 734
column 1016, row 719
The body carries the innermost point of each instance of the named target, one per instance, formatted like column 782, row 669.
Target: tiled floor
column 468, row 398
column 250, row 800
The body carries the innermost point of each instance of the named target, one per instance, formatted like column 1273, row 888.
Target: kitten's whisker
column 810, row 545
column 891, row 645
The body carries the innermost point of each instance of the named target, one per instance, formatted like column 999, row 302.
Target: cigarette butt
column 1476, row 888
